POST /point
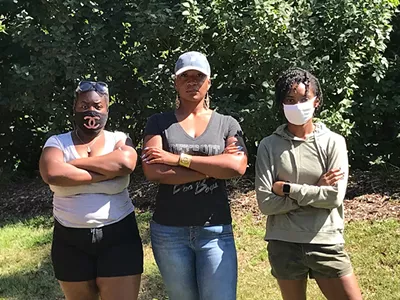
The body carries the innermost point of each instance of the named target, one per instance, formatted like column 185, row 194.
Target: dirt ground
column 370, row 196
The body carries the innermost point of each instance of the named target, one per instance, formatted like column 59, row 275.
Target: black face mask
column 90, row 122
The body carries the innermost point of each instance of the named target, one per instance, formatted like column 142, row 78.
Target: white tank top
column 91, row 205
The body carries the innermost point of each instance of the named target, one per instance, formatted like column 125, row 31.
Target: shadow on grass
column 152, row 287
column 31, row 205
column 38, row 284
column 143, row 219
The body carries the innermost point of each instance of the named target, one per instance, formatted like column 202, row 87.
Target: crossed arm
column 54, row 171
column 163, row 167
column 327, row 193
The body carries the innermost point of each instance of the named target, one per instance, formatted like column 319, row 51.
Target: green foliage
column 376, row 109
column 47, row 47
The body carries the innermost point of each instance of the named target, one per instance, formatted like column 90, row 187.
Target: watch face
column 184, row 160
column 286, row 188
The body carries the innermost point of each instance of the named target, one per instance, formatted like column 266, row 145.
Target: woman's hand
column 331, row 177
column 96, row 177
column 277, row 188
column 233, row 149
column 155, row 155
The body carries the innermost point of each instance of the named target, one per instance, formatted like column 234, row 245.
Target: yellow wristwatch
column 185, row 160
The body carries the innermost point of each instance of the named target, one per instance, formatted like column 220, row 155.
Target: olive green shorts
column 293, row 261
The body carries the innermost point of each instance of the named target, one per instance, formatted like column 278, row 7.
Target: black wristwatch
column 286, row 189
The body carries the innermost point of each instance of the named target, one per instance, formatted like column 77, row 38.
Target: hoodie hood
column 320, row 130
column 318, row 138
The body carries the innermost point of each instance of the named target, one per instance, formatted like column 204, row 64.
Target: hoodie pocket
column 334, row 222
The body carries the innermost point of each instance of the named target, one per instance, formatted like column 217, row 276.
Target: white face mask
column 299, row 114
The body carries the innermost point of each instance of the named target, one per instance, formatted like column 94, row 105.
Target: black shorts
column 82, row 254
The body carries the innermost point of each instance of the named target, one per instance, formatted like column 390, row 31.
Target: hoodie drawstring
column 294, row 161
column 320, row 153
column 322, row 157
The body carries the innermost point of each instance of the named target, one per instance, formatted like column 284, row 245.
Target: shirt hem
column 324, row 238
column 184, row 224
column 90, row 225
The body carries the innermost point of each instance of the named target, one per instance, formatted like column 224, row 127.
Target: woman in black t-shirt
column 190, row 152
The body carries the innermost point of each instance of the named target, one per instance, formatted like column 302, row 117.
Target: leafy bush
column 376, row 110
column 47, row 47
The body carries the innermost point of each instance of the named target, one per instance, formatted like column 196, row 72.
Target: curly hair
column 295, row 76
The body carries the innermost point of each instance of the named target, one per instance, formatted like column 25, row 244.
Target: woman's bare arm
column 223, row 166
column 120, row 162
column 55, row 171
column 163, row 173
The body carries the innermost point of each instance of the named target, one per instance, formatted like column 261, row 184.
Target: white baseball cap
column 192, row 60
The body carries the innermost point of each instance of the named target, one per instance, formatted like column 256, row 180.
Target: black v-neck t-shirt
column 199, row 203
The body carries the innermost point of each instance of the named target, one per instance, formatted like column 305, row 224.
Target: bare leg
column 82, row 290
column 121, row 288
column 293, row 289
column 343, row 288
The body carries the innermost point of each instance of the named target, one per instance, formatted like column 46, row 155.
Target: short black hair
column 296, row 76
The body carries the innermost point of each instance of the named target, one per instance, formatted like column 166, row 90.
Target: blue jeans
column 196, row 263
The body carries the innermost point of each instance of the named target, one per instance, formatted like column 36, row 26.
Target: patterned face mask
column 90, row 122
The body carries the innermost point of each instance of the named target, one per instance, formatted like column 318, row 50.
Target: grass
column 25, row 266
column 26, row 272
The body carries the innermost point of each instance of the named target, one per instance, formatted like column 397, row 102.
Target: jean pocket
column 217, row 231
column 165, row 234
column 155, row 227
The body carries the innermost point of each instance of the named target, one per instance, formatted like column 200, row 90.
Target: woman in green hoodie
column 301, row 179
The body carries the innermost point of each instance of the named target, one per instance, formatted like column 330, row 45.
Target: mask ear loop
column 316, row 106
column 312, row 100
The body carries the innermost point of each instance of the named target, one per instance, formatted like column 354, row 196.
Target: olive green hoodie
column 310, row 213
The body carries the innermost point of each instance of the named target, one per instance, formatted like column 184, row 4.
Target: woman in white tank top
column 96, row 245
